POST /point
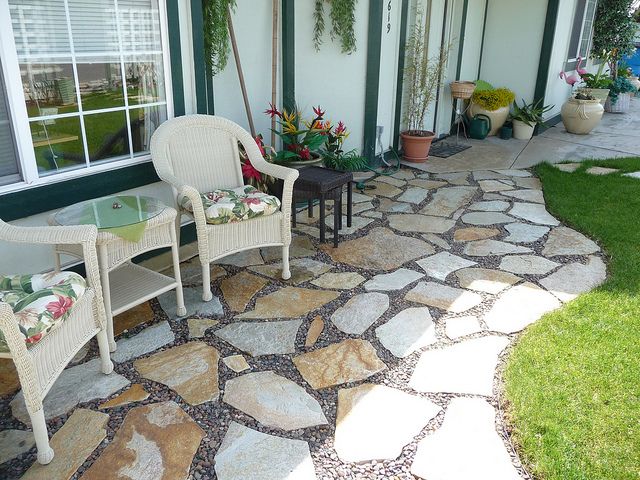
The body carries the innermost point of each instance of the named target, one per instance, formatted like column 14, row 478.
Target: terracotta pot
column 522, row 131
column 415, row 148
column 581, row 116
column 498, row 117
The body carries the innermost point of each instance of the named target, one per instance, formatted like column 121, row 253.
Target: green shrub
column 493, row 99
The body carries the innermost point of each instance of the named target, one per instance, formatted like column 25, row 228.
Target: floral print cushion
column 235, row 205
column 40, row 302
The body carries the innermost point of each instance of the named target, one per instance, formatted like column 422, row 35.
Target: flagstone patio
column 379, row 359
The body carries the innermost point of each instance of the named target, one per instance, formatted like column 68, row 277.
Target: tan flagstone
column 415, row 195
column 442, row 264
column 567, row 167
column 446, row 201
column 437, row 241
column 237, row 363
column 315, row 330
column 262, row 338
column 80, row 435
column 566, row 241
column 571, row 280
column 470, row 234
column 390, row 180
column 290, row 302
column 455, row 178
column 534, row 213
column 132, row 318
column 527, row 264
column 301, row 246
column 360, row 312
column 155, row 442
column 14, row 443
column 413, row 222
column 427, row 184
column 531, row 182
column 486, row 280
column 190, row 369
column 136, row 393
column 494, row 186
column 534, row 196
column 339, row 280
column 380, row 249
column 407, row 331
column 486, row 218
column 199, row 326
column 348, row 361
column 404, row 174
column 389, row 206
column 240, row 289
column 601, row 170
column 444, row 297
column 486, row 248
column 243, row 259
column 9, row 381
column 382, row 190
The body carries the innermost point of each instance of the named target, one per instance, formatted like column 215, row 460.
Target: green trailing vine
column 216, row 33
column 343, row 21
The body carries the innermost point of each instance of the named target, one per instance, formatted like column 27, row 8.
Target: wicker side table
column 125, row 284
column 324, row 184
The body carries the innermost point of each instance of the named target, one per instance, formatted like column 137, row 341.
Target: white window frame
column 20, row 119
column 572, row 57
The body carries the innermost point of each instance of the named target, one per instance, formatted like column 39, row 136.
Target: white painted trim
column 186, row 51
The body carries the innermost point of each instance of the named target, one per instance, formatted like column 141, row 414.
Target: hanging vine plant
column 343, row 21
column 216, row 33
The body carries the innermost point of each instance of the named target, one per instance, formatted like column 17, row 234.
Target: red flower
column 249, row 171
column 305, row 154
column 60, row 307
column 318, row 111
column 340, row 128
column 34, row 338
column 272, row 111
column 251, row 201
column 260, row 144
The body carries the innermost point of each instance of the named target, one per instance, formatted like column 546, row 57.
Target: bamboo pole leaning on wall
column 274, row 66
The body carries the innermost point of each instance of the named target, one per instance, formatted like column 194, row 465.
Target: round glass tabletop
column 111, row 212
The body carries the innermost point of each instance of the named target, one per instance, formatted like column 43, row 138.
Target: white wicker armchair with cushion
column 198, row 154
column 41, row 335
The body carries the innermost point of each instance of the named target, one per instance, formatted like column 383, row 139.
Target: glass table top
column 111, row 212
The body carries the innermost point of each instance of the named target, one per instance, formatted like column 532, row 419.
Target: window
column 9, row 172
column 93, row 77
column 581, row 32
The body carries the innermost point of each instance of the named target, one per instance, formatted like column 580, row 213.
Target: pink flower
column 318, row 111
column 34, row 338
column 304, row 153
column 340, row 128
column 60, row 307
column 249, row 171
column 272, row 111
column 251, row 200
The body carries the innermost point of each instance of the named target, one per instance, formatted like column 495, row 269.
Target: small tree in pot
column 422, row 77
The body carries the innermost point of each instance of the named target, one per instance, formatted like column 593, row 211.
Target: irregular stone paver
column 531, row 182
column 488, row 175
column 393, row 281
column 396, row 182
column 514, row 173
column 248, row 454
column 411, row 222
column 474, row 233
column 372, row 214
column 380, row 249
column 490, row 206
column 534, row 213
column 534, row 196
column 427, row 184
column 78, row 357
column 240, row 289
column 14, row 443
column 80, row 435
column 136, row 393
column 155, row 442
column 494, row 186
column 632, row 175
column 436, row 240
column 237, row 363
column 190, row 369
column 486, row 248
column 441, row 296
column 357, row 223
column 375, row 422
column 148, row 340
column 465, row 367
column 191, row 273
column 407, row 331
column 442, row 264
column 527, row 264
column 274, row 401
column 243, row 259
column 340, row 281
column 302, row 270
column 360, row 312
column 199, row 326
column 312, row 231
column 351, row 360
column 9, row 381
column 404, row 174
column 382, row 190
column 262, row 338
column 446, row 201
column 315, row 330
column 486, row 280
column 465, row 446
column 460, row 326
column 518, row 307
column 414, row 195
column 566, row 241
column 79, row 384
column 133, row 317
column 456, row 178
column 301, row 246
column 193, row 302
column 389, row 206
column 573, row 279
column 567, row 167
column 601, row 170
column 524, row 232
column 490, row 197
column 486, row 218
column 290, row 302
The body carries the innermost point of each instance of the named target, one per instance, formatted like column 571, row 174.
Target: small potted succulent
column 526, row 117
column 581, row 113
column 494, row 103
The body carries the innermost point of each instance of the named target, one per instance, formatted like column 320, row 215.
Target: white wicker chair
column 198, row 154
column 41, row 364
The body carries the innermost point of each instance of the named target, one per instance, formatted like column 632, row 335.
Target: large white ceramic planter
column 581, row 116
column 497, row 117
column 522, row 131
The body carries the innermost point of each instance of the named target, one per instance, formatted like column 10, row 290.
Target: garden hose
column 387, row 170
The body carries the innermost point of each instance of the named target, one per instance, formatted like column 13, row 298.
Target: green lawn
column 573, row 379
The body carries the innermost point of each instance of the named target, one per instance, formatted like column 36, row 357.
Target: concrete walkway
column 616, row 136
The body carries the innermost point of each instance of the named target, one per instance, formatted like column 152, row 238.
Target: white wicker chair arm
column 67, row 235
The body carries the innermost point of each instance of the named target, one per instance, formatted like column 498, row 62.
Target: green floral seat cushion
column 235, row 205
column 40, row 302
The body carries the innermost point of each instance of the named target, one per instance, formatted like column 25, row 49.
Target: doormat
column 444, row 150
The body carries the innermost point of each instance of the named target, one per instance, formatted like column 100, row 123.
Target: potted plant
column 506, row 132
column 333, row 153
column 422, row 75
column 494, row 103
column 597, row 84
column 581, row 113
column 619, row 99
column 526, row 117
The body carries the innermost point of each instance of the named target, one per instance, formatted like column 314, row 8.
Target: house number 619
column 389, row 17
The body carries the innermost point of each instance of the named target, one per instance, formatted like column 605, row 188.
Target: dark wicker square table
column 324, row 184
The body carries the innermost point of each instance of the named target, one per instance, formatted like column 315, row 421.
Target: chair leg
column 286, row 273
column 45, row 452
column 103, row 346
column 206, row 283
column 175, row 253
column 106, row 294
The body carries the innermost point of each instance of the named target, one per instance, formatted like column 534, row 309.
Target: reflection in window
column 144, row 122
column 145, row 82
column 49, row 88
column 58, row 145
column 107, row 135
column 100, row 85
